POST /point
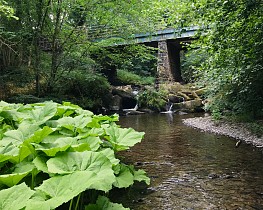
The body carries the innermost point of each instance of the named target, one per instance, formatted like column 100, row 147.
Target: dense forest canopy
column 234, row 45
column 47, row 45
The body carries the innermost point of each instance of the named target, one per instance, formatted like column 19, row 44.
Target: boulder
column 116, row 103
column 127, row 97
column 175, row 98
column 190, row 106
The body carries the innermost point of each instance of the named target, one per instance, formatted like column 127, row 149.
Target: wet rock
column 228, row 176
column 147, row 110
column 182, row 113
column 213, row 176
column 154, row 176
column 189, row 106
column 175, row 99
column 150, row 190
column 140, row 200
column 116, row 103
column 138, row 163
column 127, row 96
column 134, row 112
column 165, row 156
column 238, row 143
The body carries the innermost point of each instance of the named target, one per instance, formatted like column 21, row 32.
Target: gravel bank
column 235, row 130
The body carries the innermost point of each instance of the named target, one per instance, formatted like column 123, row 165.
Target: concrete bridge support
column 168, row 66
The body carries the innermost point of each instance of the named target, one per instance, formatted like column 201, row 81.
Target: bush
column 191, row 62
column 152, row 99
column 87, row 89
column 126, row 77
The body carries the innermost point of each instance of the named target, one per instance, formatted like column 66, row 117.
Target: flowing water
column 190, row 169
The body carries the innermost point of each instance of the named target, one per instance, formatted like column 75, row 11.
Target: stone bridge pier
column 168, row 63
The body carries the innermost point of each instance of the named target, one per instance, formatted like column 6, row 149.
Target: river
column 190, row 169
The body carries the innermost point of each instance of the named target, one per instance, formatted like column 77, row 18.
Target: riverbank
column 238, row 131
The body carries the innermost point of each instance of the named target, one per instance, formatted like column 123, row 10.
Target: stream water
column 190, row 169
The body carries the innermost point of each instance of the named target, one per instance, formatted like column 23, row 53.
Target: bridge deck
column 160, row 35
column 165, row 34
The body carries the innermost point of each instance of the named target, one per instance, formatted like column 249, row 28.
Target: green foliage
column 138, row 59
column 233, row 41
column 61, row 151
column 256, row 128
column 20, row 192
column 126, row 77
column 62, row 33
column 103, row 203
column 6, row 10
column 88, row 88
column 191, row 63
column 131, row 62
column 152, row 99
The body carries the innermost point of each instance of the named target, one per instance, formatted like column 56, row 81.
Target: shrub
column 125, row 77
column 191, row 62
column 152, row 99
column 84, row 88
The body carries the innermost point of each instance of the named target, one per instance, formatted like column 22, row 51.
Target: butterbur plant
column 57, row 154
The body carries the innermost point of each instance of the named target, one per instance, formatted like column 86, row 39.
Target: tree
column 6, row 10
column 233, row 43
column 52, row 33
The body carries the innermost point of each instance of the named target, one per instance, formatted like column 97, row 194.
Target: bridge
column 170, row 43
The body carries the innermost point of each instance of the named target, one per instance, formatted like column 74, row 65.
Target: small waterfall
column 136, row 107
column 170, row 108
column 132, row 109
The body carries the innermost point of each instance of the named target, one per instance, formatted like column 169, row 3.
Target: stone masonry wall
column 163, row 65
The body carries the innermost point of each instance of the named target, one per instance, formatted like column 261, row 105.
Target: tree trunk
column 55, row 49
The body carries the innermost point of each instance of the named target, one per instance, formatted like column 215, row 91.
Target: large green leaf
column 79, row 161
column 61, row 189
column 15, row 143
column 38, row 201
column 43, row 112
column 60, row 144
column 8, row 151
column 93, row 142
column 141, row 176
column 94, row 162
column 103, row 203
column 17, row 137
column 91, row 132
column 109, row 153
column 40, row 134
column 40, row 164
column 123, row 138
column 12, row 179
column 15, row 198
column 102, row 119
column 74, row 124
column 124, row 177
column 15, row 113
column 21, row 170
column 14, row 153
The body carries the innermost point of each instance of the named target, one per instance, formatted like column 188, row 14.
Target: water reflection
column 191, row 169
